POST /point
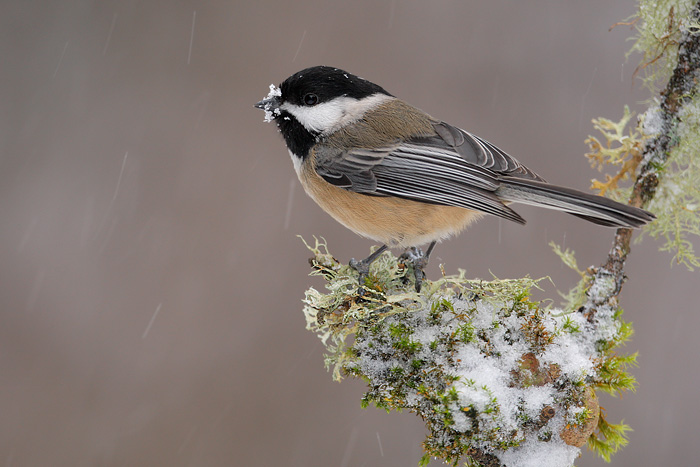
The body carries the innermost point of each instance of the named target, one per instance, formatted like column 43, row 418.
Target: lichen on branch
column 664, row 147
column 622, row 148
column 497, row 378
column 669, row 39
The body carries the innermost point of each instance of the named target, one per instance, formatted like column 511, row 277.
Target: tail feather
column 596, row 209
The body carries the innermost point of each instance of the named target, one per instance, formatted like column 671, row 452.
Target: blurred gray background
column 151, row 275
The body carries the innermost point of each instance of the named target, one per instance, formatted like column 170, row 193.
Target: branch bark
column 681, row 87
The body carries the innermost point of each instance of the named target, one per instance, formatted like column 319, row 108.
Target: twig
column 681, row 87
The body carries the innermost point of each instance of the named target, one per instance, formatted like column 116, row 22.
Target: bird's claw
column 418, row 260
column 362, row 268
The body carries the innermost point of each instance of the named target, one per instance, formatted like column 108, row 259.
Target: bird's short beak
column 269, row 103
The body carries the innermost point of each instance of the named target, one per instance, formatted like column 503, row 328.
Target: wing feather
column 452, row 168
column 455, row 168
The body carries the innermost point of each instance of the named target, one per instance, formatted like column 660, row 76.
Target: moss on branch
column 496, row 377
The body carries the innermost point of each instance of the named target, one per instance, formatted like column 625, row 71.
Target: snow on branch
column 497, row 378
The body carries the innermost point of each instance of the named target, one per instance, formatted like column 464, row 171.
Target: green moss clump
column 493, row 374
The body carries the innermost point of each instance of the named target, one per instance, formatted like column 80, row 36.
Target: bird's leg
column 419, row 260
column 362, row 267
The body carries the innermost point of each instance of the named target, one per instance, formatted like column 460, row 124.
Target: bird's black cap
column 326, row 83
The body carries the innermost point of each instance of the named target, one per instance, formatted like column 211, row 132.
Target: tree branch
column 607, row 280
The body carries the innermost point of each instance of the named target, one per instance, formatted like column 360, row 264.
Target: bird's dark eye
column 310, row 99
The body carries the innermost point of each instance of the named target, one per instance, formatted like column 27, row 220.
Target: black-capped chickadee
column 394, row 174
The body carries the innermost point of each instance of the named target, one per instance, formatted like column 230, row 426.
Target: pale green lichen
column 677, row 200
column 574, row 298
column 622, row 148
column 494, row 375
column 666, row 139
column 659, row 25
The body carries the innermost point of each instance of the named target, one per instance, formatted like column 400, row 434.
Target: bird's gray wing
column 477, row 151
column 451, row 167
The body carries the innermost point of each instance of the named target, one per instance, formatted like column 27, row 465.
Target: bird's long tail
column 593, row 208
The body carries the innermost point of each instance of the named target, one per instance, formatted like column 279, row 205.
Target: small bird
column 392, row 173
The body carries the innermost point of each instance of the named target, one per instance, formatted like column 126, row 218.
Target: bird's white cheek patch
column 329, row 116
column 319, row 118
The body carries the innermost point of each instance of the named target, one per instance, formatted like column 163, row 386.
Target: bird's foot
column 419, row 261
column 362, row 267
